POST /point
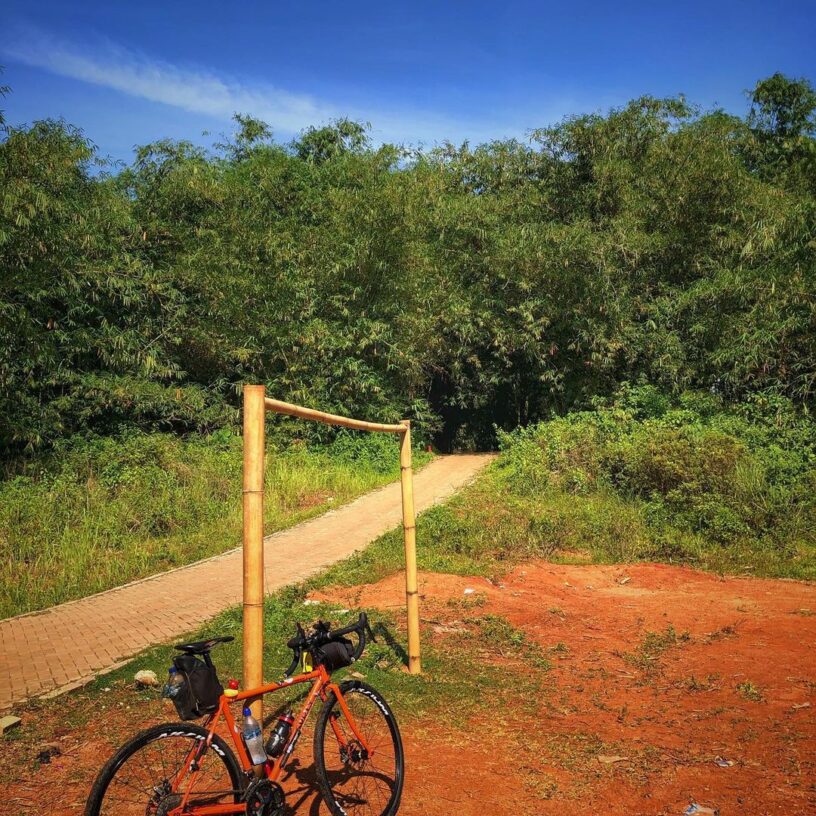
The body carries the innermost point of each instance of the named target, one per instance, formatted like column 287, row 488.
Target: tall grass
column 100, row 513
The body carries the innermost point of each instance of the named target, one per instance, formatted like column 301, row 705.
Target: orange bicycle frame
column 322, row 687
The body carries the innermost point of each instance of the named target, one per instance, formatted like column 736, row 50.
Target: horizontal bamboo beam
column 329, row 419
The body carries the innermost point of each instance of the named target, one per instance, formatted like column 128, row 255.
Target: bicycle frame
column 321, row 688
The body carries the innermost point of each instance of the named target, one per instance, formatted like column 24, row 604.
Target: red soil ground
column 628, row 731
column 621, row 728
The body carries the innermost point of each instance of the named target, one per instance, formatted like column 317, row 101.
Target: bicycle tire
column 167, row 731
column 338, row 801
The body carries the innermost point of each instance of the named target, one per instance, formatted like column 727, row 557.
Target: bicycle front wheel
column 150, row 775
column 360, row 770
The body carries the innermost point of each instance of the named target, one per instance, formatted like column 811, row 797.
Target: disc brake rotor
column 354, row 754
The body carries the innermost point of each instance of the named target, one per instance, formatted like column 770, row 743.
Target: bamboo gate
column 256, row 404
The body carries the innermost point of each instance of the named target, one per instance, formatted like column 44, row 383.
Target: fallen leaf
column 611, row 760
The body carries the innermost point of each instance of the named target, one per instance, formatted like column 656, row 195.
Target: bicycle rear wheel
column 352, row 781
column 146, row 776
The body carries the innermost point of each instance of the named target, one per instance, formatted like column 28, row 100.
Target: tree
column 324, row 143
column 783, row 121
column 782, row 107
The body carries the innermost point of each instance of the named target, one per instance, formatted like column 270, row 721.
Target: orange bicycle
column 181, row 769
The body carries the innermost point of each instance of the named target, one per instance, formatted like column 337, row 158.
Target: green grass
column 614, row 486
column 654, row 645
column 104, row 512
column 724, row 490
column 750, row 691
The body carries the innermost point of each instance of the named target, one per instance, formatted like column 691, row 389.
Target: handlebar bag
column 199, row 693
column 336, row 654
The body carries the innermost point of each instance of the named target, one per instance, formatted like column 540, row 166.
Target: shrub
column 650, row 476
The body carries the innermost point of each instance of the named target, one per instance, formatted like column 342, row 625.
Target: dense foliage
column 464, row 286
column 689, row 479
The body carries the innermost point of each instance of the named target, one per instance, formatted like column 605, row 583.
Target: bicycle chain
column 264, row 798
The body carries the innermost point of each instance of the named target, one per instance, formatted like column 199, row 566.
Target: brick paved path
column 62, row 647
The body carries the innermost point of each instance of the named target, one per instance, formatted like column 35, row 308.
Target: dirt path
column 669, row 687
column 60, row 648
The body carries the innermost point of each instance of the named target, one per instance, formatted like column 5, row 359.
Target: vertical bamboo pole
column 254, row 433
column 409, row 534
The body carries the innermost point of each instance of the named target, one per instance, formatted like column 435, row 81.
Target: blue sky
column 420, row 72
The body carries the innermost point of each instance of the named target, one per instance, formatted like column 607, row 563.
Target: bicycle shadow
column 299, row 782
column 300, row 785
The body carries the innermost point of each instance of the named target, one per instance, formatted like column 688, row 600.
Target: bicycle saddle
column 202, row 646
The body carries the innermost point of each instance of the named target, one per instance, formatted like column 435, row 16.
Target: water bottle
column 280, row 733
column 253, row 737
column 174, row 683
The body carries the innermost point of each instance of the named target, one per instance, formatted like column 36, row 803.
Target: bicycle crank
column 264, row 798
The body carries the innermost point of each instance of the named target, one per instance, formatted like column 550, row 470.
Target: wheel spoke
column 361, row 785
column 140, row 778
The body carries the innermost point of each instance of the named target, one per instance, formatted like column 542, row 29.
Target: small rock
column 625, row 580
column 797, row 706
column 723, row 763
column 146, row 677
column 469, row 591
column 310, row 602
column 357, row 675
column 47, row 751
column 7, row 723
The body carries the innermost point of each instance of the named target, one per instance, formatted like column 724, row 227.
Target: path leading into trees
column 63, row 647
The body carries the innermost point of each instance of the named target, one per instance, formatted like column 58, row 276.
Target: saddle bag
column 198, row 694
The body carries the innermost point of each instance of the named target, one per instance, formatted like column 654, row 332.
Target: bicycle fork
column 339, row 733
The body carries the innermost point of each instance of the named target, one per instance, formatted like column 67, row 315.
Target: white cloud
column 191, row 89
column 199, row 90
